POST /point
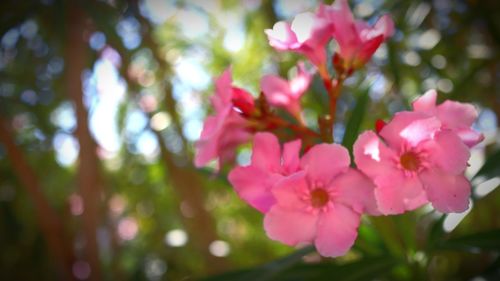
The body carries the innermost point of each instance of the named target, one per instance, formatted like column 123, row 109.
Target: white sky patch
column 192, row 23
column 147, row 144
column 158, row 10
column 64, row 117
column 192, row 129
column 135, row 122
column 67, row 148
column 190, row 72
column 110, row 89
column 452, row 220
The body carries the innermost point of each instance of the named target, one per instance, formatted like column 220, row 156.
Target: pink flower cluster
column 307, row 188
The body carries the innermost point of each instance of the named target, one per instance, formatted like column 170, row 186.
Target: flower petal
column 372, row 156
column 323, row 161
column 287, row 191
column 290, row 226
column 456, row 115
column 254, row 185
column 470, row 137
column 276, row 90
column 336, row 231
column 397, row 193
column 409, row 127
column 266, row 153
column 426, row 103
column 281, row 37
column 447, row 193
column 449, row 152
column 291, row 158
column 356, row 191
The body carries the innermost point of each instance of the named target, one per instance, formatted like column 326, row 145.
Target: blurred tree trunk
column 88, row 165
column 50, row 224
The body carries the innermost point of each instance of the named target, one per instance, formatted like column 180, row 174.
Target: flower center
column 319, row 198
column 410, row 161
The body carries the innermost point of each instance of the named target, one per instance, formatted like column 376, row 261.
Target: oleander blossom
column 453, row 115
column 321, row 204
column 306, row 35
column 415, row 161
column 269, row 164
column 357, row 40
column 287, row 94
column 226, row 129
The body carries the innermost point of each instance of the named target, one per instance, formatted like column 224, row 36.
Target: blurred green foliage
column 150, row 198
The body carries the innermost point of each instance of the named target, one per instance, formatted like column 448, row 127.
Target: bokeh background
column 102, row 100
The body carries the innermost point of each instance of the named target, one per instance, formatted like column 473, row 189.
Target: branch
column 50, row 224
column 88, row 174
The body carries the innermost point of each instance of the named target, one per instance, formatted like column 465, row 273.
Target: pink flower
column 453, row 115
column 416, row 163
column 287, row 94
column 254, row 183
column 357, row 40
column 226, row 129
column 322, row 204
column 306, row 35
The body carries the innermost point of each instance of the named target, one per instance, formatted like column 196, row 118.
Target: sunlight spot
column 219, row 248
column 76, row 204
column 429, row 39
column 176, row 238
column 160, row 121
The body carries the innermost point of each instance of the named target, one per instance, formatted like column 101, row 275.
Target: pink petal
column 336, row 231
column 291, row 159
column 290, row 226
column 385, row 26
column 397, row 193
column 300, row 83
column 223, row 91
column 356, row 191
column 469, row 136
column 372, row 156
column 287, row 191
column 324, row 161
column 426, row 103
column 367, row 49
column 207, row 146
column 448, row 193
column 409, row 127
column 266, row 153
column 276, row 90
column 449, row 152
column 254, row 185
column 455, row 115
column 281, row 37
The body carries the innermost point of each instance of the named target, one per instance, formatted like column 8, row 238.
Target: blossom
column 269, row 164
column 287, row 94
column 415, row 162
column 306, row 35
column 322, row 203
column 226, row 129
column 357, row 40
column 453, row 115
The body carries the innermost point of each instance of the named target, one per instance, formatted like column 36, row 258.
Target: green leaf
column 489, row 240
column 266, row 271
column 360, row 270
column 354, row 124
column 491, row 167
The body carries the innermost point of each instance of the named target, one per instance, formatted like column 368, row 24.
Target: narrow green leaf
column 266, row 271
column 354, row 124
column 491, row 167
column 489, row 240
